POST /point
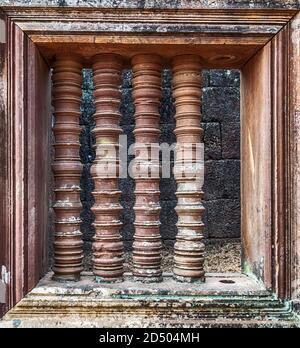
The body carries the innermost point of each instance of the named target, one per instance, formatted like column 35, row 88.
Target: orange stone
column 188, row 170
column 68, row 252
column 108, row 250
column 147, row 244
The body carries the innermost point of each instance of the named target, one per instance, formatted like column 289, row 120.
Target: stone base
column 224, row 300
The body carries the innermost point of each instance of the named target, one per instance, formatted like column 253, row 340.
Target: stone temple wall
column 221, row 123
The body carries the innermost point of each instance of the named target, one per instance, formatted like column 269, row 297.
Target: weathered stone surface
column 167, row 134
column 127, row 76
column 167, row 189
column 241, row 302
column 223, row 218
column 212, row 141
column 87, row 156
column 127, row 216
column 167, row 80
column 206, row 77
column 230, row 140
column 87, row 201
column 127, row 188
column 128, row 131
column 127, row 232
column 224, row 78
column 167, row 108
column 222, row 179
column 87, row 82
column 220, row 104
column 155, row 4
column 168, row 219
column 127, row 107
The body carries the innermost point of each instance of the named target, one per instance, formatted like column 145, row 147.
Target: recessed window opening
column 220, row 120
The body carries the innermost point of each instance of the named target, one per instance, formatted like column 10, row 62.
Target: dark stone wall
column 221, row 123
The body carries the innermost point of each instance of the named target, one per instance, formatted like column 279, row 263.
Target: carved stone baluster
column 188, row 169
column 68, row 253
column 108, row 250
column 147, row 241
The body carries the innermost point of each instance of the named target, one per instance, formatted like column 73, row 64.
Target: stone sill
column 216, row 284
column 239, row 301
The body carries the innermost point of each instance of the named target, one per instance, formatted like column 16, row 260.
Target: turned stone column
column 108, row 251
column 146, row 95
column 68, row 254
column 188, row 169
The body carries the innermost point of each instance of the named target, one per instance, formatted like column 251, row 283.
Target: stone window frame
column 270, row 186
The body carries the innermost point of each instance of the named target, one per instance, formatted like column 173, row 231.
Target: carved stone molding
column 244, row 303
column 146, row 95
column 188, row 169
column 108, row 247
column 264, row 39
column 120, row 27
column 68, row 254
column 153, row 4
